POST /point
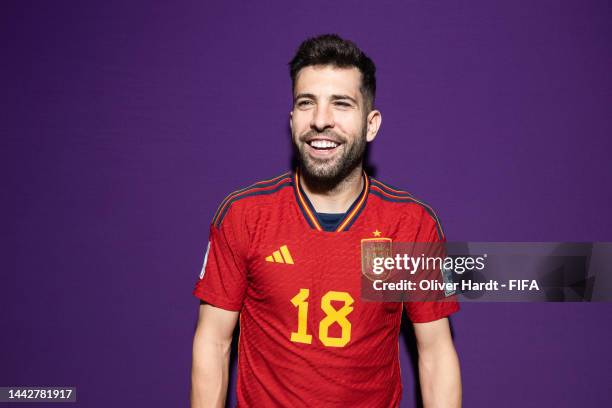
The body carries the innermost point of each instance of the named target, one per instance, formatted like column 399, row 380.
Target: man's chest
column 308, row 284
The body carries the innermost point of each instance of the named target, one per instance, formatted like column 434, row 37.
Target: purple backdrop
column 123, row 126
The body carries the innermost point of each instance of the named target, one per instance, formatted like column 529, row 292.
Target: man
column 283, row 257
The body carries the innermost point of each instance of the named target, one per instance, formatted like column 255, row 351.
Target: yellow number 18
column 332, row 316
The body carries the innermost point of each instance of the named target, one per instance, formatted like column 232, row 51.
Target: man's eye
column 304, row 103
column 343, row 104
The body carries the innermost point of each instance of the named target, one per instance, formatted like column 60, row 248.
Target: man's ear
column 373, row 123
column 291, row 121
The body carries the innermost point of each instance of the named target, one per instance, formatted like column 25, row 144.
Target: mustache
column 329, row 134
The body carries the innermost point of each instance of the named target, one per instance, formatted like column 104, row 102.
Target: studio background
column 124, row 124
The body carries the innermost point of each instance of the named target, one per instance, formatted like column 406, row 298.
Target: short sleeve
column 223, row 277
column 423, row 312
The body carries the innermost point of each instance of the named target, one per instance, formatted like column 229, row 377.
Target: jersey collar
column 311, row 215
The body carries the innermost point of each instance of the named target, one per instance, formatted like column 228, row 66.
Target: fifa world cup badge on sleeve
column 447, row 278
column 372, row 248
column 205, row 260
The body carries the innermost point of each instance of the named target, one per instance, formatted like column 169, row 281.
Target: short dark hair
column 330, row 49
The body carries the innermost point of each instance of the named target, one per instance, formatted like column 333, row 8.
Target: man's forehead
column 328, row 78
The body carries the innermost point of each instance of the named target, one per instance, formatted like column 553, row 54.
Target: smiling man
column 284, row 258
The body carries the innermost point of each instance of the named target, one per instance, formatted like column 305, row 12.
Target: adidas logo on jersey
column 281, row 256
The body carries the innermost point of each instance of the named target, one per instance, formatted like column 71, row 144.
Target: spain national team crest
column 371, row 248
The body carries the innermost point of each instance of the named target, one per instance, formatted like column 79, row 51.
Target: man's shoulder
column 256, row 194
column 400, row 201
column 391, row 194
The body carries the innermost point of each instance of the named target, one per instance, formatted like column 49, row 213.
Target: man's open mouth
column 322, row 144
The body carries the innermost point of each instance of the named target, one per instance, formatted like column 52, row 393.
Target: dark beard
column 327, row 179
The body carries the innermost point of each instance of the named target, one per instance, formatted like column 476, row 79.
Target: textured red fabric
column 243, row 274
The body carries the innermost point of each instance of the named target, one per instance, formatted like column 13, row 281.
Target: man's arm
column 438, row 365
column 211, row 348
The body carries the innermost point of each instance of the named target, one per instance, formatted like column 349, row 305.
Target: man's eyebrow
column 334, row 97
column 304, row 95
column 350, row 98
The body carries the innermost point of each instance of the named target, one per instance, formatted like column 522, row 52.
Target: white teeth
column 323, row 144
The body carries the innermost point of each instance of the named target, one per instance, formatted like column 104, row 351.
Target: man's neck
column 337, row 199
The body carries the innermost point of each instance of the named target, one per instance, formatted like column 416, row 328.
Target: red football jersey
column 306, row 338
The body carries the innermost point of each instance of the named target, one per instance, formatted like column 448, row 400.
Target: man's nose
column 322, row 118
